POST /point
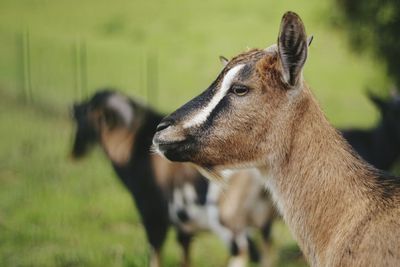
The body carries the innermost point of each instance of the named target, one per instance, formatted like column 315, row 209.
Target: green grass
column 55, row 212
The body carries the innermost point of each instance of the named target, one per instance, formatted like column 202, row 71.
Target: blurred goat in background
column 166, row 192
column 379, row 146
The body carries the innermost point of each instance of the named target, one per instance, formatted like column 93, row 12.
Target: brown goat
column 260, row 113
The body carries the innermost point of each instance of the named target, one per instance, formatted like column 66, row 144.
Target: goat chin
column 210, row 173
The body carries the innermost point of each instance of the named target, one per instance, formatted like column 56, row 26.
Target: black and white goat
column 379, row 146
column 168, row 193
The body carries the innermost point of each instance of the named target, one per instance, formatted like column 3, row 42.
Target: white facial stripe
column 203, row 114
column 120, row 104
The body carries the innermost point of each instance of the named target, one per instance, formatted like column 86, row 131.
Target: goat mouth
column 166, row 146
column 176, row 151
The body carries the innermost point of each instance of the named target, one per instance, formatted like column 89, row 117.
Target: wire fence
column 37, row 64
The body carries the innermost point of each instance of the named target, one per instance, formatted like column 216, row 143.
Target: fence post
column 152, row 77
column 79, row 59
column 83, row 67
column 75, row 69
column 141, row 71
column 24, row 66
column 20, row 71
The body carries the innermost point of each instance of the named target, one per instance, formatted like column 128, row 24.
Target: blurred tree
column 374, row 25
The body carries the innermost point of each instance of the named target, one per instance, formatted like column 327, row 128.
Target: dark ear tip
column 310, row 39
column 222, row 58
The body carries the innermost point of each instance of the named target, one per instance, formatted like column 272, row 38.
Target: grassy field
column 55, row 212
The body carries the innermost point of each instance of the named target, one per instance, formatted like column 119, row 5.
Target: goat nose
column 164, row 124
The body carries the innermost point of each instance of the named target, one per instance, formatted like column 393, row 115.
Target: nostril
column 163, row 125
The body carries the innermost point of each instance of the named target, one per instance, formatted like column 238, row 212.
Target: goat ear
column 224, row 61
column 292, row 47
column 377, row 101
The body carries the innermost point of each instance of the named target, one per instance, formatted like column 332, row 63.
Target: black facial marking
column 245, row 72
column 180, row 151
column 196, row 103
column 222, row 105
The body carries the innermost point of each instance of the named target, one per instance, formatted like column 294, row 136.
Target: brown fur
column 117, row 139
column 330, row 197
column 335, row 204
column 117, row 144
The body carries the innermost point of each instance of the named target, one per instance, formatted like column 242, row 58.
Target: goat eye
column 239, row 90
